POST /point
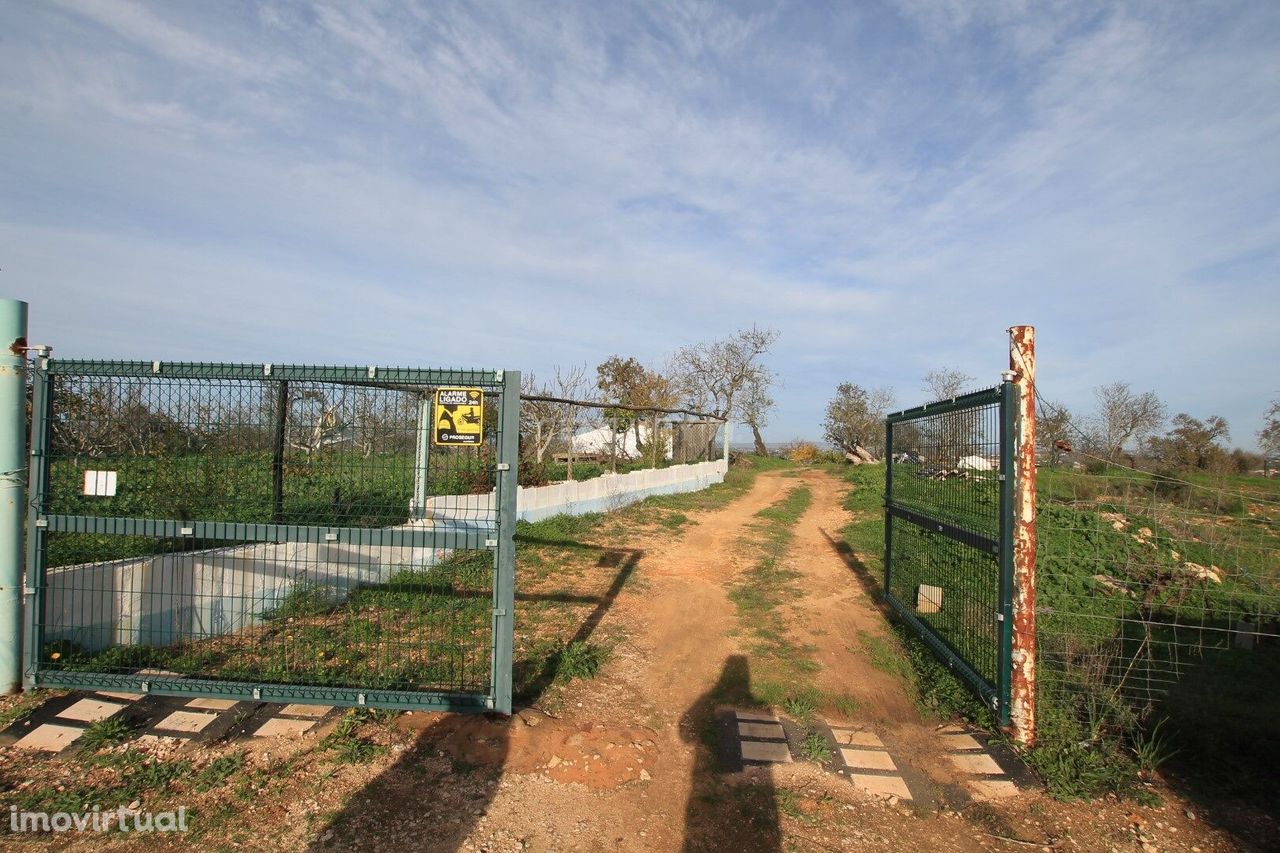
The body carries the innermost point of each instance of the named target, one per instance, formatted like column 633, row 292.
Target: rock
column 644, row 775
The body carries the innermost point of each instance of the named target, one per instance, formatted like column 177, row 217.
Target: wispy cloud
column 890, row 185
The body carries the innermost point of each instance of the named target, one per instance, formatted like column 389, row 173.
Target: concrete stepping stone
column 90, row 711
column 49, row 738
column 986, row 778
column 761, row 738
column 283, row 727
column 189, row 722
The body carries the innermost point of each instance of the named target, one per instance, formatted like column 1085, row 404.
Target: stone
column 867, row 759
column 928, row 599
column 49, row 738
column 301, row 710
column 186, row 721
column 280, row 727
column 981, row 763
column 772, row 753
column 761, row 730
column 212, row 704
column 882, row 786
column 960, row 741
column 90, row 711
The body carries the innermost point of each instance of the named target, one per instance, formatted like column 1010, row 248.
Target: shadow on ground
column 432, row 797
column 721, row 815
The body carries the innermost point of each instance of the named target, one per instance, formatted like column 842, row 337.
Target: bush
column 802, row 453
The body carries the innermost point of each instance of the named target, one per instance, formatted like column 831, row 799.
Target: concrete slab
column 299, row 710
column 867, row 759
column 979, row 763
column 186, row 721
column 278, row 727
column 128, row 697
column 771, row 753
column 960, row 741
column 763, row 730
column 49, row 738
column 90, row 711
column 212, row 704
column 848, row 737
column 882, row 786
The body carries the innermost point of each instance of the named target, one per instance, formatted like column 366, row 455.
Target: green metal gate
column 272, row 532
column 949, row 533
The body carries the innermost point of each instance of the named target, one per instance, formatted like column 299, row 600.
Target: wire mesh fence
column 1158, row 598
column 317, row 527
column 946, row 544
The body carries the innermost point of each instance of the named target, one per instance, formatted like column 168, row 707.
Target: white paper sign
column 100, row 483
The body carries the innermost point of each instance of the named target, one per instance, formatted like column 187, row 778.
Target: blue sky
column 527, row 184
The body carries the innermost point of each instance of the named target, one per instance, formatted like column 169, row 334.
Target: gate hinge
column 999, row 617
column 504, row 466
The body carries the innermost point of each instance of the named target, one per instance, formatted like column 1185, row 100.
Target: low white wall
column 579, row 497
column 169, row 598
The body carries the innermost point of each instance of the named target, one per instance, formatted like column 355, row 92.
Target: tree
column 756, row 403
column 855, row 418
column 1193, row 443
column 1053, row 424
column 945, row 383
column 713, row 375
column 1269, row 436
column 1124, row 416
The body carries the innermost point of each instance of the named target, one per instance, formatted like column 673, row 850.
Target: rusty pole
column 1022, row 705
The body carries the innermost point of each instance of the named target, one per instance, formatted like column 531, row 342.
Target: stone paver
column 979, row 763
column 757, row 716
column 90, row 711
column 49, row 738
column 186, row 721
column 300, row 710
column 867, row 759
column 847, row 737
column 278, row 727
column 212, row 704
column 772, row 753
column 960, row 741
column 766, row 730
column 882, row 786
column 128, row 697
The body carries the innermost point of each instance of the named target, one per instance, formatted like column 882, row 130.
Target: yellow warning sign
column 459, row 416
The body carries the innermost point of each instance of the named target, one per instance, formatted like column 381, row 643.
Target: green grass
column 346, row 743
column 108, row 732
column 816, row 748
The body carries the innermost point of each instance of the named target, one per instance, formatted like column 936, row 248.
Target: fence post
column 1022, row 361
column 13, row 486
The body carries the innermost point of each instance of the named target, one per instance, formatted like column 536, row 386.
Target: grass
column 816, row 748
column 108, row 732
column 347, row 744
column 1091, row 740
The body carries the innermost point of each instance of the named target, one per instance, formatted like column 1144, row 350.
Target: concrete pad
column 277, row 727
column 847, row 737
column 186, row 721
column 993, row 789
column 212, row 704
column 960, row 741
column 773, row 753
column 758, row 716
column 299, row 710
column 980, row 763
column 867, row 759
column 770, row 730
column 882, row 786
column 128, row 697
column 90, row 711
column 49, row 738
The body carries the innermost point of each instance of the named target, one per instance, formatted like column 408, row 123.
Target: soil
column 624, row 761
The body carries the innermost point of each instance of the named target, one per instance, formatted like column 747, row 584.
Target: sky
column 521, row 185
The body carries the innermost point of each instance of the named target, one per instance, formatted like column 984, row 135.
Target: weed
column 349, row 746
column 816, row 748
column 108, row 732
column 801, row 706
column 1152, row 748
column 218, row 771
column 579, row 660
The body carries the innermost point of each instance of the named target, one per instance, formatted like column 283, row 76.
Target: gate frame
column 499, row 538
column 998, row 695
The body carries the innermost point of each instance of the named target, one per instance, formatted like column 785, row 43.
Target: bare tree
column 1269, row 435
column 945, row 383
column 1054, row 431
column 756, row 404
column 713, row 374
column 1193, row 443
column 855, row 420
column 1124, row 417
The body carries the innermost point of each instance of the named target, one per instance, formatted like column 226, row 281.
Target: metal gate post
column 1022, row 361
column 13, row 486
column 504, row 598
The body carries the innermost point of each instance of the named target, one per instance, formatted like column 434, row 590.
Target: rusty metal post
column 1022, row 705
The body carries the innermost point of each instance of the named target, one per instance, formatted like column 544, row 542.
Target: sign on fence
column 459, row 416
